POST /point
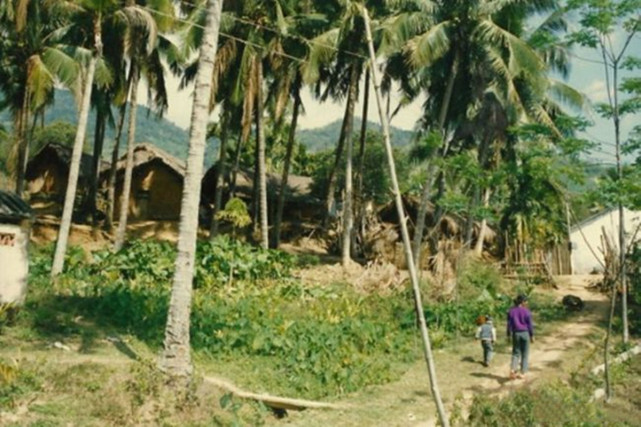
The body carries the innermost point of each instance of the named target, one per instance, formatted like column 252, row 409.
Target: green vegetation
column 325, row 137
column 319, row 341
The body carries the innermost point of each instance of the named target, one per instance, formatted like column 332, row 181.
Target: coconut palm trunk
column 262, row 173
column 443, row 418
column 331, row 180
column 23, row 143
column 113, row 169
column 427, row 187
column 76, row 154
column 358, row 197
column 99, row 138
column 129, row 163
column 176, row 357
column 236, row 167
column 287, row 164
column 219, row 175
column 348, row 219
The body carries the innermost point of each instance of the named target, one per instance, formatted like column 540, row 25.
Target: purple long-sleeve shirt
column 519, row 319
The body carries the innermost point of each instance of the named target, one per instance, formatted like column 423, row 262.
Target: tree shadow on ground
column 499, row 379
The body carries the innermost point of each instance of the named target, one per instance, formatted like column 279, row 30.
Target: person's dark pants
column 488, row 351
column 520, row 350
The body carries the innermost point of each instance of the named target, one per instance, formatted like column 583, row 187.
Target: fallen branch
column 273, row 401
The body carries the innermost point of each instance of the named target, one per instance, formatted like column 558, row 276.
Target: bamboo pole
column 429, row 359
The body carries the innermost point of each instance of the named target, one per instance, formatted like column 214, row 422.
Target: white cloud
column 596, row 91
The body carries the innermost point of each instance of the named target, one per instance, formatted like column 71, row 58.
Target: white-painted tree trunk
column 176, row 357
column 76, row 155
column 262, row 172
column 478, row 248
column 427, row 348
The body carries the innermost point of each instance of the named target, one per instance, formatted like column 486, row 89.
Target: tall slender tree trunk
column 98, row 142
column 331, row 180
column 622, row 243
column 23, row 143
column 427, row 187
column 219, row 175
column 348, row 220
column 443, row 418
column 361, row 161
column 419, row 228
column 113, row 169
column 176, row 357
column 262, row 173
column 76, row 154
column 234, row 173
column 480, row 240
column 121, row 232
column 287, row 163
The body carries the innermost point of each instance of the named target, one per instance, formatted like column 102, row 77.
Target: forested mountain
column 149, row 127
column 173, row 139
column 324, row 138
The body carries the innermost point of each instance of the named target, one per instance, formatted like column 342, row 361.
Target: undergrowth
column 309, row 341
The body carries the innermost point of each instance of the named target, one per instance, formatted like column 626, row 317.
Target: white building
column 15, row 222
column 586, row 238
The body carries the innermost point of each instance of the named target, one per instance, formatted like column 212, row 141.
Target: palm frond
column 321, row 52
column 39, row 81
column 522, row 58
column 568, row 95
column 61, row 64
column 430, row 46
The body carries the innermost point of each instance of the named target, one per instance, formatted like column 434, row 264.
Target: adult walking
column 521, row 330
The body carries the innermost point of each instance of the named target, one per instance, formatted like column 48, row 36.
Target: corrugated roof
column 13, row 207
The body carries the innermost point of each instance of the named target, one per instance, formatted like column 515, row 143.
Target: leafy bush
column 555, row 404
column 320, row 341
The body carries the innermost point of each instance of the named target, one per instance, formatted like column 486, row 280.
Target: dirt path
column 408, row 401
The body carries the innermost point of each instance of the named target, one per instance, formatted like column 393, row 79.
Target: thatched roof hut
column 451, row 225
column 300, row 203
column 48, row 172
column 156, row 187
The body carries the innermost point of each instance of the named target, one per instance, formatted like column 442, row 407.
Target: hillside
column 324, row 138
column 173, row 139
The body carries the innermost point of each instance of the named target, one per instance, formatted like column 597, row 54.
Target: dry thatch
column 146, row 153
column 298, row 187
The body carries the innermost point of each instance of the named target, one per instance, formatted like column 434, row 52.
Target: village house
column 586, row 238
column 47, row 174
column 15, row 224
column 300, row 203
column 156, row 186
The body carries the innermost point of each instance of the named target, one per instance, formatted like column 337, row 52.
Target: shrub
column 554, row 404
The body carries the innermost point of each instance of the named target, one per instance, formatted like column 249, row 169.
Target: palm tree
column 32, row 62
column 92, row 11
column 176, row 358
column 463, row 50
column 143, row 58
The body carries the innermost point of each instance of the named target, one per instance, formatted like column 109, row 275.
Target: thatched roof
column 62, row 153
column 13, row 207
column 451, row 224
column 145, row 153
column 298, row 187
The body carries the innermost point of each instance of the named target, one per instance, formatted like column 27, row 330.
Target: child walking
column 487, row 334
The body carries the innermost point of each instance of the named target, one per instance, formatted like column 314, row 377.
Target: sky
column 586, row 75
